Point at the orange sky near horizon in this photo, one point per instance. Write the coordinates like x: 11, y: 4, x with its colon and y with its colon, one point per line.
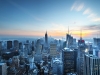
x: 53, y: 33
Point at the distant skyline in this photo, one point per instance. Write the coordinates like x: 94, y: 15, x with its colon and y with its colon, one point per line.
x: 34, y: 17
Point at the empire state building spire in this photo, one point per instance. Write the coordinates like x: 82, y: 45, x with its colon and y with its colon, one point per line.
x: 46, y: 38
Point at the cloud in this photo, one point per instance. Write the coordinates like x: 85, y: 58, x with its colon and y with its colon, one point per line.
x: 91, y: 27
x: 92, y: 15
x: 77, y: 6
x: 96, y: 19
x: 87, y: 11
x: 74, y: 6
x: 92, y: 30
x: 80, y: 7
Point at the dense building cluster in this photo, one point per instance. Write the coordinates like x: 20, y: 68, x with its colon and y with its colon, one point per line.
x: 48, y: 56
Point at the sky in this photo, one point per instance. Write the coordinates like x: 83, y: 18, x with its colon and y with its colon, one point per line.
x: 35, y: 17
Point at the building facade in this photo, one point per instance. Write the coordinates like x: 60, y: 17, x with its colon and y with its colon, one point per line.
x: 9, y: 44
x: 3, y: 69
x: 16, y: 44
x: 53, y: 49
x: 91, y: 65
x: 69, y: 61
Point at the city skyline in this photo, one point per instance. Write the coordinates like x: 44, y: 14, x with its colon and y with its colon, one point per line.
x: 35, y: 17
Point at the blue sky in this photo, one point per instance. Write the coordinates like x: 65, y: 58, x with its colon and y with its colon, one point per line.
x: 35, y: 17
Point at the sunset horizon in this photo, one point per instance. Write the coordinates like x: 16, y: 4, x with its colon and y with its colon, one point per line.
x: 34, y: 18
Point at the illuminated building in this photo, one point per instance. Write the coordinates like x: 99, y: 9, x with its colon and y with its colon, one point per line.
x: 53, y: 49
x: 91, y: 65
x: 80, y: 59
x: 69, y: 60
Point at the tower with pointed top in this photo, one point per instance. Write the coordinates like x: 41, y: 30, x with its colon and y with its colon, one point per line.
x: 67, y: 38
x: 81, y: 53
x: 46, y: 38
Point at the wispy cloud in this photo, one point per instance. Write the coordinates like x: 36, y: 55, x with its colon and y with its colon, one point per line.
x: 87, y: 11
x: 91, y: 30
x: 77, y: 6
x: 91, y: 15
x: 91, y: 27
x: 96, y: 19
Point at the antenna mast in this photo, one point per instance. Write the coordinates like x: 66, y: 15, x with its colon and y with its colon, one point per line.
x: 81, y: 34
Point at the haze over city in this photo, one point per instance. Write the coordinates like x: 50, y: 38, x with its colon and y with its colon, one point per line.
x: 49, y: 37
x: 35, y: 17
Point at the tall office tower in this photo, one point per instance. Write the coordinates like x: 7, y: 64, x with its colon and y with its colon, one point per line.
x: 38, y: 47
x: 33, y: 48
x: 9, y: 44
x: 91, y: 65
x: 3, y: 69
x: 46, y: 38
x: 27, y: 49
x: 97, y: 42
x: 20, y: 45
x: 38, y: 55
x: 69, y: 40
x: 80, y: 59
x: 53, y: 49
x: 64, y: 44
x: 0, y: 45
x: 69, y: 60
x: 16, y: 44
x: 0, y: 48
x: 74, y: 42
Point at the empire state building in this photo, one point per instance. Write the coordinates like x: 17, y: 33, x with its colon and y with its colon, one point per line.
x: 46, y: 38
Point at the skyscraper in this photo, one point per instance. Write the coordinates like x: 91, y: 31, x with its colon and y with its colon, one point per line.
x: 0, y: 47
x: 3, y: 69
x: 38, y: 55
x: 80, y: 59
x: 46, y: 38
x: 97, y: 42
x: 9, y: 44
x: 16, y: 44
x: 69, y: 40
x: 69, y: 60
x: 20, y: 45
x: 53, y: 49
x: 91, y: 65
